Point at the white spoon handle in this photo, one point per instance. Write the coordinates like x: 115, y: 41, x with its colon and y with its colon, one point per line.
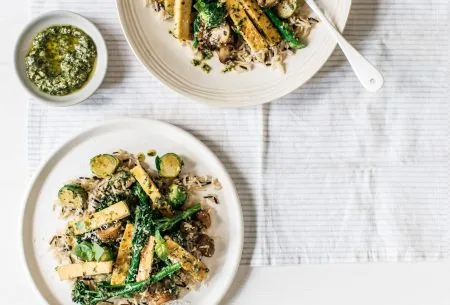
x: 367, y: 74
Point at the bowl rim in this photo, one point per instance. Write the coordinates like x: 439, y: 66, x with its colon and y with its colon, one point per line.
x: 100, y: 67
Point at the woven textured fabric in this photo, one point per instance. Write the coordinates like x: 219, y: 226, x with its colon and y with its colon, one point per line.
x: 330, y: 173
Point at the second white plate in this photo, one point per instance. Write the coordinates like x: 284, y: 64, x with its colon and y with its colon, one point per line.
x: 40, y: 223
x: 170, y: 62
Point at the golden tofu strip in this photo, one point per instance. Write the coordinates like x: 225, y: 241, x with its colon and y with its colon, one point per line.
x: 182, y: 17
x: 71, y: 271
x: 145, y: 265
x: 261, y: 21
x: 123, y: 259
x: 245, y: 26
x: 168, y: 7
x: 150, y: 189
x: 94, y: 221
x: 147, y: 184
x: 189, y: 263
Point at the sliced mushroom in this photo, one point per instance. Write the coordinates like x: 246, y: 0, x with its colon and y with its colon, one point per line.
x: 220, y: 35
x: 226, y: 54
x: 206, y: 245
x: 159, y: 299
x: 286, y: 8
x: 268, y: 3
x: 203, y: 215
x: 110, y: 233
x: 188, y: 230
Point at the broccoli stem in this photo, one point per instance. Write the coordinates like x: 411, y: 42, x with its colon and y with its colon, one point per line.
x: 143, y: 225
x: 286, y: 32
x: 84, y: 296
x: 167, y: 223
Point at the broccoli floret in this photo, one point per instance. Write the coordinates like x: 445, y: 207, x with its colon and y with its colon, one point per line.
x: 177, y: 195
x: 211, y: 12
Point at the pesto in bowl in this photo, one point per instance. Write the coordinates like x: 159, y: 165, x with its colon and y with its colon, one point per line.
x: 61, y: 60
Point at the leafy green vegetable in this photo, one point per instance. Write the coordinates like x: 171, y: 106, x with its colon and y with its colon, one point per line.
x: 158, y: 163
x: 84, y: 251
x: 211, y: 12
x: 107, y: 255
x: 161, y: 248
x: 286, y: 32
x: 84, y: 295
x: 89, y: 252
x: 196, y: 26
x: 177, y: 195
x: 98, y: 251
x: 143, y: 225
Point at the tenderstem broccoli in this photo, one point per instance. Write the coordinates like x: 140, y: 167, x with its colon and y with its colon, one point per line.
x: 168, y: 223
x: 143, y: 225
x: 84, y: 295
x: 286, y: 32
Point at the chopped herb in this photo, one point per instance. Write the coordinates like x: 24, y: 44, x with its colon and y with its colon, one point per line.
x: 158, y: 163
x: 141, y: 157
x: 229, y: 67
x: 207, y: 54
x: 151, y: 152
x: 196, y: 62
x: 207, y: 68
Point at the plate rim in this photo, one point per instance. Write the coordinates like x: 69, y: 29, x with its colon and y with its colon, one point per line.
x: 239, y: 239
x: 218, y: 102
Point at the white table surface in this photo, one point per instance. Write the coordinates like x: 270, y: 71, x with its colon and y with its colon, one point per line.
x: 382, y: 284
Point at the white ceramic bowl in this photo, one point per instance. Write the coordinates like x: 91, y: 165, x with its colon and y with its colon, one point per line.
x: 170, y: 62
x: 61, y: 18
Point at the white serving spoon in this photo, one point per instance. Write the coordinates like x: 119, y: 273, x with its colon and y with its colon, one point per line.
x: 367, y: 74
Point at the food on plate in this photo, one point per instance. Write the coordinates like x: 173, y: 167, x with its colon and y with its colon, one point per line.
x: 104, y: 165
x: 169, y: 165
x: 240, y: 32
x: 134, y: 235
x: 60, y: 60
x: 71, y: 271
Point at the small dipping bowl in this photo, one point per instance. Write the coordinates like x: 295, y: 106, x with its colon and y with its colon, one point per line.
x: 55, y: 18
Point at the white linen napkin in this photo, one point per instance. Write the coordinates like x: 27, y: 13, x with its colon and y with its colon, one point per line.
x: 330, y: 173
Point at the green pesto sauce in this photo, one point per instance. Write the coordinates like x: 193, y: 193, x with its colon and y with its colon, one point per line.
x: 60, y: 60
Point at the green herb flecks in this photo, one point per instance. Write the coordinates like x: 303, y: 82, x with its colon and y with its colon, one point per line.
x: 206, y: 68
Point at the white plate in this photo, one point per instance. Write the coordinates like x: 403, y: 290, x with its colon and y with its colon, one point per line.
x: 170, y: 62
x: 135, y: 135
x: 61, y: 18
